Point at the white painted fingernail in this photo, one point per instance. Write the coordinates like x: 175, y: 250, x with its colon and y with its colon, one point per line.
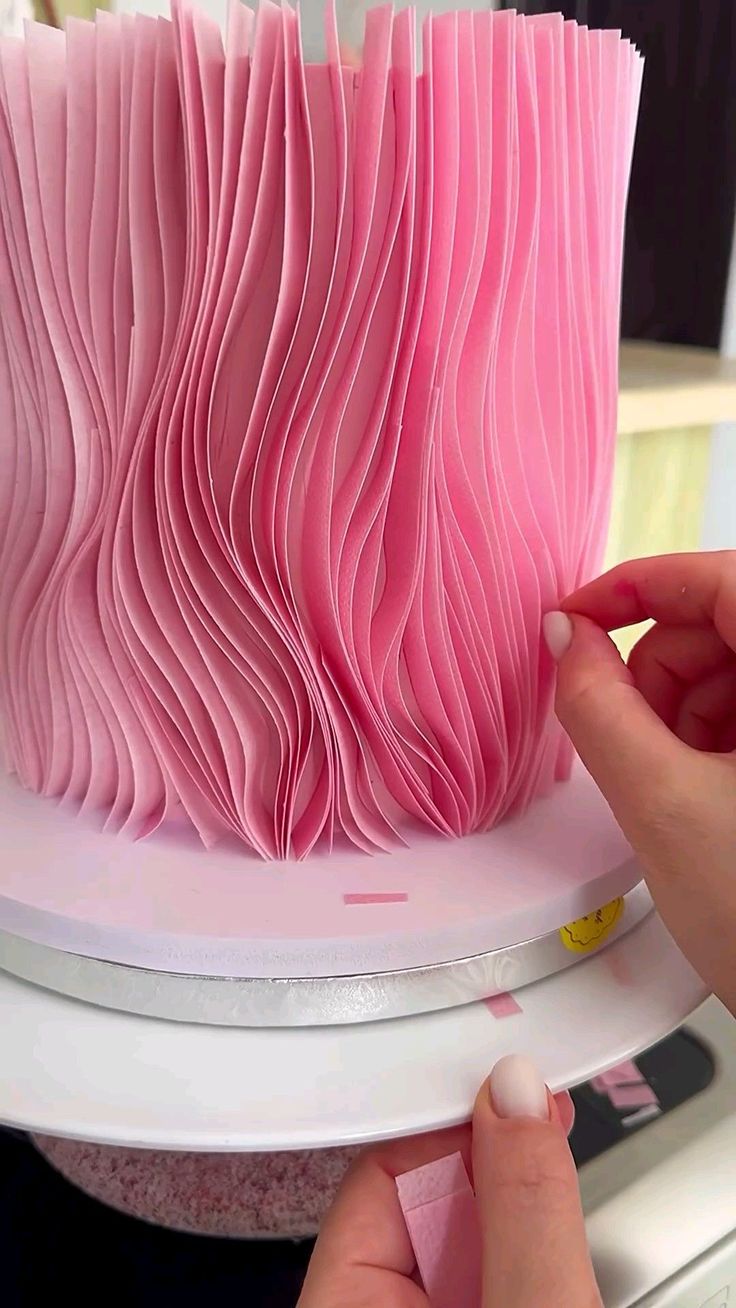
x: 517, y: 1089
x: 557, y: 632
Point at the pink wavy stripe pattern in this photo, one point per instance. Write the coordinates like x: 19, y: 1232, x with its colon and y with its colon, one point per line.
x: 308, y: 391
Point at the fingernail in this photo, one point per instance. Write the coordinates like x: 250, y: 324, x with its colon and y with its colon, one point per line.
x: 557, y: 632
x: 517, y: 1089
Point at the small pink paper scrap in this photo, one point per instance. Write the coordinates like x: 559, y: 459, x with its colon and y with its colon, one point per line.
x: 391, y: 897
x: 632, y: 1096
x: 503, y: 1005
x: 623, y: 1074
x: 438, y: 1204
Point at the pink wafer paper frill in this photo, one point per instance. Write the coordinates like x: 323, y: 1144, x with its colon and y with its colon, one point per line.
x: 308, y: 392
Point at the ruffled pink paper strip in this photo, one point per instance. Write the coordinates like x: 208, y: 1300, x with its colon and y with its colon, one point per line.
x: 308, y: 391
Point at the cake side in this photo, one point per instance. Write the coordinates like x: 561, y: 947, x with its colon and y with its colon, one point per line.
x: 308, y: 377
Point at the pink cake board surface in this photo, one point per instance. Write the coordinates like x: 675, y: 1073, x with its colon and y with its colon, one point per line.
x: 166, y: 904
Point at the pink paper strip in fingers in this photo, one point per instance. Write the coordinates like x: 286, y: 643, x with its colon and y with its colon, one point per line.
x: 439, y: 1208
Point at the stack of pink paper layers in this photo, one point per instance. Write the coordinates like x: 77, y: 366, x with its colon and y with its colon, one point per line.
x: 308, y: 390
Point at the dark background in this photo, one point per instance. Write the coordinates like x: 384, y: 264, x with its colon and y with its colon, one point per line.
x: 683, y: 188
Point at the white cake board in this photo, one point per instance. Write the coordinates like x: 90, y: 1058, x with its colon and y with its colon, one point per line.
x: 76, y: 1069
x: 166, y: 904
x: 70, y: 1069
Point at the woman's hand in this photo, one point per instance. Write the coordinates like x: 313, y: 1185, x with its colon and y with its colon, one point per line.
x: 534, y: 1245
x: 658, y: 735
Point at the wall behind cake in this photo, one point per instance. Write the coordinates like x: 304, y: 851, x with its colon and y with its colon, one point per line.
x: 12, y: 14
x: 350, y: 14
x: 56, y: 11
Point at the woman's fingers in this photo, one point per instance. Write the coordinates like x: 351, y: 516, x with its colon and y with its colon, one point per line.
x: 363, y: 1257
x: 629, y: 751
x: 673, y: 791
x: 668, y: 662
x: 685, y: 666
x: 675, y: 589
x: 535, y: 1249
x: 687, y: 675
x: 705, y: 719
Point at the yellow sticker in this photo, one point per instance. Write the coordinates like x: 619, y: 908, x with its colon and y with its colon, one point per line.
x: 590, y: 931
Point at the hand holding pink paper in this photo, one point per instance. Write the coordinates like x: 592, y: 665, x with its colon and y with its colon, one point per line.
x: 309, y: 384
x: 408, y: 1229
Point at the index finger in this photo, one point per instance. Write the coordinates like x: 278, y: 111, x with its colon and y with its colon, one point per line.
x: 535, y: 1247
x: 674, y: 589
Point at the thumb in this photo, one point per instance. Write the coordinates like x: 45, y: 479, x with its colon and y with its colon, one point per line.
x: 627, y: 749
x: 535, y: 1249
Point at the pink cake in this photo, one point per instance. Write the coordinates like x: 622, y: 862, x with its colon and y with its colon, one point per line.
x: 308, y: 381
